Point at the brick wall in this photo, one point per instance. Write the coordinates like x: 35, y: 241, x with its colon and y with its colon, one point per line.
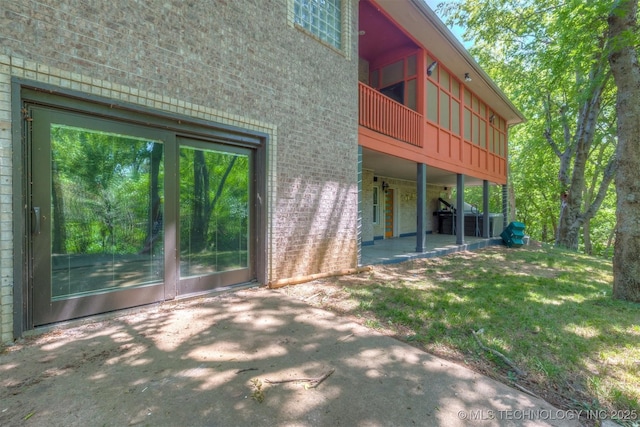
x: 239, y: 62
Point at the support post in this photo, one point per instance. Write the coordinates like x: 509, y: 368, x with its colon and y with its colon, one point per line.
x: 485, y: 210
x: 359, y: 224
x: 505, y: 203
x: 460, y: 209
x: 421, y: 206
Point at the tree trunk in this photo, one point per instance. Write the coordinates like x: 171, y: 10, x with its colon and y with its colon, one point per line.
x: 586, y: 236
x: 155, y: 222
x: 571, y: 214
x: 578, y: 148
x: 612, y: 234
x: 569, y: 225
x: 200, y: 221
x: 624, y: 65
x: 512, y: 203
x: 59, y: 232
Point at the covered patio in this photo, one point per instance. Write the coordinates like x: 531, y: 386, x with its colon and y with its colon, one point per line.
x: 400, y: 249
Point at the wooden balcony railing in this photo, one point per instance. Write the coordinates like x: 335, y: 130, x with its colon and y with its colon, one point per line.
x: 382, y: 114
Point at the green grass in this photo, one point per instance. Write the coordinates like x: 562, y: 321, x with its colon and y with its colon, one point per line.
x: 548, y: 311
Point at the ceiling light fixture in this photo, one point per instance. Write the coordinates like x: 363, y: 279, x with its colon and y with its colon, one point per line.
x: 467, y: 77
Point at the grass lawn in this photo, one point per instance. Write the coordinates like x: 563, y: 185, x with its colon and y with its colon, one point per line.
x: 548, y: 311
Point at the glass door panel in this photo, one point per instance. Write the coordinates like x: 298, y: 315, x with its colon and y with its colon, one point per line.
x: 106, y: 211
x: 214, y: 212
x: 97, y: 216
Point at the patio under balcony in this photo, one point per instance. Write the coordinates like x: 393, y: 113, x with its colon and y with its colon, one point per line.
x: 400, y: 249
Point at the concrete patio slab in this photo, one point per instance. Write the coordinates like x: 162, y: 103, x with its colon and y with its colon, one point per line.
x: 400, y: 249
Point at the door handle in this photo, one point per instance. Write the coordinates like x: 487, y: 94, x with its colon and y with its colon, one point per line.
x: 35, y: 225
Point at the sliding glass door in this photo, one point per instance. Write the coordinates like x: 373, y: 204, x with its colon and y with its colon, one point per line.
x: 123, y: 215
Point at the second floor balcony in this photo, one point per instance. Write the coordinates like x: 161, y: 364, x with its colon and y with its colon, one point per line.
x: 456, y: 129
x: 423, y: 99
x: 382, y: 114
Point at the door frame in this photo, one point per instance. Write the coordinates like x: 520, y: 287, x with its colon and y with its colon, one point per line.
x: 28, y: 91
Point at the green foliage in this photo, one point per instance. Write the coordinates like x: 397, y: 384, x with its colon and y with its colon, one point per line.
x: 214, y: 201
x: 548, y: 57
x: 103, y: 197
x: 101, y: 191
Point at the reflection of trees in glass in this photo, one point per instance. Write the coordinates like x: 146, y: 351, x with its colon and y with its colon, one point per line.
x: 104, y: 186
x: 59, y: 232
x: 214, y: 197
x: 155, y: 224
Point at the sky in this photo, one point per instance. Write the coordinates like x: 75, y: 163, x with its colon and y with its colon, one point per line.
x: 457, y: 31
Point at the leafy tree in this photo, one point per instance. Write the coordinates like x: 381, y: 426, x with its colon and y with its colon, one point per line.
x: 550, y: 58
x: 565, y: 52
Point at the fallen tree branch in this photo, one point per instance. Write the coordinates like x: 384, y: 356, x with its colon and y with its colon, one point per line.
x: 345, y: 338
x: 519, y: 387
x: 315, y: 382
x: 496, y: 353
x: 245, y: 370
x: 529, y: 392
x: 312, y: 296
